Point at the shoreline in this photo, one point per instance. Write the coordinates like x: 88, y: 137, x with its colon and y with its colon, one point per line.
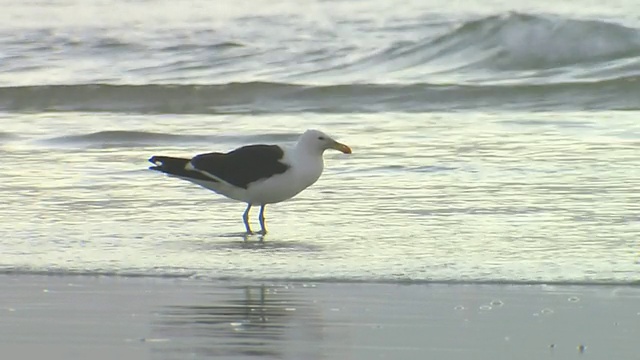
x: 191, y: 276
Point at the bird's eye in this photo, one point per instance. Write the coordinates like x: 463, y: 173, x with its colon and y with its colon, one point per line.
x: 321, y: 138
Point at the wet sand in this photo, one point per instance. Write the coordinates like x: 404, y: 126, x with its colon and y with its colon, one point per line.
x: 75, y: 317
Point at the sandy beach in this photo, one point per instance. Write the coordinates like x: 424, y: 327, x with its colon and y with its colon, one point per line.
x: 65, y: 317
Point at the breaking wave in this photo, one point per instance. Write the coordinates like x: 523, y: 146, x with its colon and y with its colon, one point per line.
x: 511, y: 61
x: 505, y: 47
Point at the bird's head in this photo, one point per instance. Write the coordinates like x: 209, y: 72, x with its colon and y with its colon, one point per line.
x: 319, y: 141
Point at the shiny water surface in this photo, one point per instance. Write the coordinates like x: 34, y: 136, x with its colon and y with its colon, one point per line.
x: 513, y: 197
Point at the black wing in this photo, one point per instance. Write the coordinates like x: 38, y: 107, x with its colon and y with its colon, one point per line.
x: 244, y: 165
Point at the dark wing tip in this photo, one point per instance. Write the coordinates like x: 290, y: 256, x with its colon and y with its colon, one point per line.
x: 156, y: 162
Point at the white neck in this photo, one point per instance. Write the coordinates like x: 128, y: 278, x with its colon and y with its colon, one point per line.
x: 308, y: 163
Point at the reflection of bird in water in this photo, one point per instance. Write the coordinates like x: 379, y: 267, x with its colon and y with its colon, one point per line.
x: 258, y: 324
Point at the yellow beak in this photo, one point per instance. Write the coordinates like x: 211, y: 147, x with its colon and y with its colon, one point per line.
x: 342, y: 148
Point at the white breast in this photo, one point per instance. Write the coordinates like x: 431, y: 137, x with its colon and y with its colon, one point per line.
x: 305, y: 169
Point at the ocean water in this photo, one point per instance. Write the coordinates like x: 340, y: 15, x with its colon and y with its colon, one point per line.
x: 493, y: 141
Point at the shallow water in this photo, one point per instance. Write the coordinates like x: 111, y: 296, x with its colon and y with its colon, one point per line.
x: 490, y: 144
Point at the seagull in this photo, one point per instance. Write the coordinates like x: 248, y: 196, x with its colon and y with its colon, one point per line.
x: 256, y: 174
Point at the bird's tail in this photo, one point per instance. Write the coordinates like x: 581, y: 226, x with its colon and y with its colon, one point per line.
x: 169, y: 165
x: 177, y: 167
